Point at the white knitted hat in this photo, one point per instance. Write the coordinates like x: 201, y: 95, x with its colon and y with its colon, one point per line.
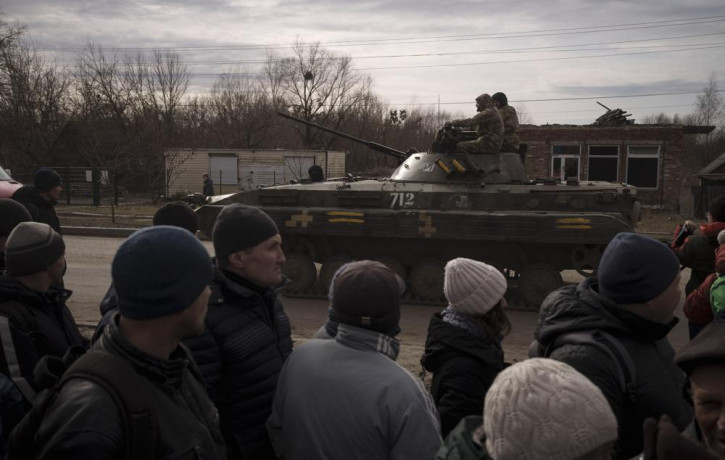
x: 542, y: 409
x: 473, y: 287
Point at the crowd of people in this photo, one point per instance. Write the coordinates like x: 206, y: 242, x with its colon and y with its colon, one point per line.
x: 193, y: 357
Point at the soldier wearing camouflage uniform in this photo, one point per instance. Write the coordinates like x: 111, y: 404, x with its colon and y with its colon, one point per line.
x: 489, y: 128
x: 510, y: 123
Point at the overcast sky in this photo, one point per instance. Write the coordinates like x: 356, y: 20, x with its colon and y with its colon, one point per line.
x: 554, y: 59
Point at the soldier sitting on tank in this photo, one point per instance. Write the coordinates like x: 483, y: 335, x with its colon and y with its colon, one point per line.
x: 489, y: 128
x: 510, y: 123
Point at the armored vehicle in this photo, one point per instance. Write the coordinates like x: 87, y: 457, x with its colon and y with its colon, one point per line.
x: 436, y: 206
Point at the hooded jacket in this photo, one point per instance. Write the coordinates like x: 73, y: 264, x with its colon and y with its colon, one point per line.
x: 53, y: 328
x: 463, y: 367
x: 697, y: 306
x: 660, y: 383
x: 39, y: 208
x: 84, y: 422
x: 698, y: 253
x: 241, y: 353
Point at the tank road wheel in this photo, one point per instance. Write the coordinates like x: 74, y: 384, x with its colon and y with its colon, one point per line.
x: 393, y: 265
x: 536, y: 282
x: 585, y: 258
x: 300, y: 268
x: 426, y: 279
x: 329, y: 268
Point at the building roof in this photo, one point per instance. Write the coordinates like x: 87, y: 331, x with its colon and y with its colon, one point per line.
x: 715, y: 170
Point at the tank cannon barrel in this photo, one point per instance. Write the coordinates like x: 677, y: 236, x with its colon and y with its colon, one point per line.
x: 397, y: 154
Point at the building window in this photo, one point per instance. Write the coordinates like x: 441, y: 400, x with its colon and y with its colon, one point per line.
x: 603, y: 162
x: 565, y: 161
x: 643, y: 162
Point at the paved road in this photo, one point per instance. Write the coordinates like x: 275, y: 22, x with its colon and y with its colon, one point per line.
x: 89, y: 275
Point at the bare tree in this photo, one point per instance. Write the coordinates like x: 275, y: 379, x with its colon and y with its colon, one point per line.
x: 33, y: 95
x: 242, y: 113
x: 316, y: 85
x: 709, y: 105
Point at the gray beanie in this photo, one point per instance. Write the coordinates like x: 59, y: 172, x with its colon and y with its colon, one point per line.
x: 11, y: 214
x: 32, y: 247
x: 367, y: 294
x: 239, y: 227
x: 159, y: 271
x: 539, y: 409
x: 472, y: 287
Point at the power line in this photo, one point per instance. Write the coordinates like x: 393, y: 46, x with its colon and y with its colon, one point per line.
x: 415, y: 40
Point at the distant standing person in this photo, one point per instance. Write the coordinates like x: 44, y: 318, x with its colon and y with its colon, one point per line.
x: 510, y: 123
x: 463, y: 347
x: 208, y: 189
x: 41, y: 197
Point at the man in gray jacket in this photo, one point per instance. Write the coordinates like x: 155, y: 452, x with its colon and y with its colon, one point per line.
x: 346, y: 397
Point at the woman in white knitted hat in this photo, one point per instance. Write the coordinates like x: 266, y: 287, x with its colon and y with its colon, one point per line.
x: 463, y: 348
x: 537, y: 409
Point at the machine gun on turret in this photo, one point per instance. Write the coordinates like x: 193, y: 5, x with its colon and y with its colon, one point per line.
x: 397, y: 154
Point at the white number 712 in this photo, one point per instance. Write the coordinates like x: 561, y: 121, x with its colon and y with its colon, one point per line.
x: 402, y: 199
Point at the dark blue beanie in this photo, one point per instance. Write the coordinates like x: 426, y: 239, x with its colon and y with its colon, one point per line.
x: 158, y: 271
x: 636, y: 268
x: 45, y: 179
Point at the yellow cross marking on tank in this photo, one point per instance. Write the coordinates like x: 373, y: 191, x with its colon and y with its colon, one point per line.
x: 574, y: 223
x: 428, y: 229
x: 302, y: 219
x: 345, y: 217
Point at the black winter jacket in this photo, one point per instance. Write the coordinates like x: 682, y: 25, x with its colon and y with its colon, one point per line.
x: 84, y: 422
x: 463, y: 368
x: 53, y: 328
x: 247, y: 339
x: 39, y: 208
x: 660, y: 384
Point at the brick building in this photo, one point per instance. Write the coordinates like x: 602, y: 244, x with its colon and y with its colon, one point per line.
x: 649, y: 157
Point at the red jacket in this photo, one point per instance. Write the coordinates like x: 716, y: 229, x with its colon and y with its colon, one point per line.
x: 697, y: 306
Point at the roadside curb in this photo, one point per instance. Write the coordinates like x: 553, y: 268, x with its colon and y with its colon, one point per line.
x: 109, y: 232
x: 98, y: 231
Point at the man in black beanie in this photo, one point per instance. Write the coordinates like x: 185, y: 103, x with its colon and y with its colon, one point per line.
x: 248, y: 334
x: 41, y: 197
x: 162, y: 276
x: 626, y: 313
x: 175, y: 214
x: 11, y: 214
x: 349, y: 391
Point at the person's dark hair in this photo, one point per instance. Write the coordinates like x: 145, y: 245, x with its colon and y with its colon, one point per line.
x: 495, y: 323
x: 501, y: 99
x: 177, y: 214
x: 316, y: 174
x: 717, y: 208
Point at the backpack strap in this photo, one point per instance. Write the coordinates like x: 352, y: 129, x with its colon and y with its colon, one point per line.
x: 612, y: 347
x: 132, y: 395
x: 22, y: 319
